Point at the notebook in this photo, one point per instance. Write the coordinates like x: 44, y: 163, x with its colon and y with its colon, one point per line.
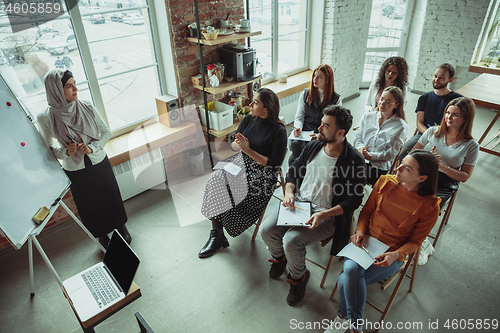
x: 296, y: 217
x: 106, y: 283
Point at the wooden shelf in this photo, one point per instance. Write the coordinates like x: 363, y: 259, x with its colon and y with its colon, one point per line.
x: 224, y: 153
x: 224, y: 39
x: 225, y: 86
x: 224, y: 132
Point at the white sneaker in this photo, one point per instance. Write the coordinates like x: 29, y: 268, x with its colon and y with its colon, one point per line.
x: 339, y: 325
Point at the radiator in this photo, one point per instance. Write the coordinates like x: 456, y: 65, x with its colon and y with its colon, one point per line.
x: 140, y: 173
x: 288, y: 107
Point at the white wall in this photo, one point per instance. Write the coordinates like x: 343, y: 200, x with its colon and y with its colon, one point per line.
x: 443, y: 31
x: 344, y: 42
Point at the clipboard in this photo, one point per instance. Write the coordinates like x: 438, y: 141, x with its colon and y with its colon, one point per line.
x: 296, y: 217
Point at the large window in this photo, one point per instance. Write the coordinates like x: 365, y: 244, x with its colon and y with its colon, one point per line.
x: 489, y: 43
x: 387, y: 34
x: 281, y: 49
x: 109, y: 48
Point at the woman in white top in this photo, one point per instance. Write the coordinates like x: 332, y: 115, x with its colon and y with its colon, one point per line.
x: 393, y: 72
x: 80, y: 135
x: 381, y: 134
x: 310, y: 107
x: 453, y: 145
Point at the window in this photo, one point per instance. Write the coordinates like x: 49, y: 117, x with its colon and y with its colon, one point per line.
x: 489, y: 42
x: 281, y: 49
x: 110, y: 49
x: 387, y: 34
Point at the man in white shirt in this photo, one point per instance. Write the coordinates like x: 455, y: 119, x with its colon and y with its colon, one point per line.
x: 330, y: 174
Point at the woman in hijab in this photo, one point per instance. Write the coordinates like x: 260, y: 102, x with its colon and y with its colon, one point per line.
x: 80, y: 135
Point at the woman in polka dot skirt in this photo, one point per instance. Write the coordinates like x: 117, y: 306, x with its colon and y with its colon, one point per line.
x: 235, y: 202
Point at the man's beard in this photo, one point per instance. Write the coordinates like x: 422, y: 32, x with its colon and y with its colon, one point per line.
x: 436, y: 86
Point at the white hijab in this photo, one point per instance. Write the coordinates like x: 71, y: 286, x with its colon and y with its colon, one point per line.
x: 74, y: 118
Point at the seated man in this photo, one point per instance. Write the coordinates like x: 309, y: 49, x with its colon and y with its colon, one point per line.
x: 431, y: 105
x: 330, y: 174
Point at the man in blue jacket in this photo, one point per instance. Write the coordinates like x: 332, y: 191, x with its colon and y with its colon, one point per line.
x: 330, y: 174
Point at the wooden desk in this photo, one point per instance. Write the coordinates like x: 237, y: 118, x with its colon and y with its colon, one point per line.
x: 482, y: 91
x: 88, y: 326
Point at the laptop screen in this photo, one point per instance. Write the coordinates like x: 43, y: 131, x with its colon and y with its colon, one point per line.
x: 121, y: 261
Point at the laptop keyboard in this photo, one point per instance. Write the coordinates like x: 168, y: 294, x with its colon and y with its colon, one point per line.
x: 100, y: 286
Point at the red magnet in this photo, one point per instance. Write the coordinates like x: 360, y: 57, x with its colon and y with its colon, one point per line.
x: 23, y: 144
x: 9, y: 103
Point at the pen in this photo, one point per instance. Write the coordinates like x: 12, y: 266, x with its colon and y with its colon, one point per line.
x: 367, y: 147
x: 367, y: 252
x: 71, y: 138
x: 293, y: 205
x: 296, y: 128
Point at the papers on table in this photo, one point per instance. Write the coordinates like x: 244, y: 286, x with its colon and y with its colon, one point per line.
x: 296, y: 217
x: 372, y: 245
x: 229, y: 167
x: 304, y: 136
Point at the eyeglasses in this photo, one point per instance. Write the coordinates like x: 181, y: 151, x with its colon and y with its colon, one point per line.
x: 381, y: 101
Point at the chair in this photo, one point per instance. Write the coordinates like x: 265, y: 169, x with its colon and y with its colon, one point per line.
x: 143, y: 324
x: 324, y: 242
x: 281, y: 184
x: 447, y: 212
x: 401, y: 274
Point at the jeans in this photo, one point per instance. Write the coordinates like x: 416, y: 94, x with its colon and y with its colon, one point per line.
x: 292, y: 241
x: 352, y: 288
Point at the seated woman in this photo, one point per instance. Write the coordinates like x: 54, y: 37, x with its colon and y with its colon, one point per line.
x: 310, y: 107
x: 236, y: 202
x: 394, y: 72
x: 400, y: 212
x: 381, y: 134
x: 80, y: 136
x: 453, y: 145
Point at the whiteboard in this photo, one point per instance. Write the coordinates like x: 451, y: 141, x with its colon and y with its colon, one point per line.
x: 30, y: 176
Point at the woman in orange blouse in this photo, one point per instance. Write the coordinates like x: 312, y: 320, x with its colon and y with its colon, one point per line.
x: 400, y: 212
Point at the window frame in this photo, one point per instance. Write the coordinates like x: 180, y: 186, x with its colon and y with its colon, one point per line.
x: 275, y: 41
x: 484, y: 40
x: 163, y: 62
x: 401, y: 49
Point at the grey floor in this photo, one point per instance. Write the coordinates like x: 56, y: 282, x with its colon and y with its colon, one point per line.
x: 231, y: 292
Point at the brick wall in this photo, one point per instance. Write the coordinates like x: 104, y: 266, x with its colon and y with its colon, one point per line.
x: 443, y: 31
x: 344, y: 43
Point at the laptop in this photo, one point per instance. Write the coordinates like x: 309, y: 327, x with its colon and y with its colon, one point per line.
x: 106, y: 283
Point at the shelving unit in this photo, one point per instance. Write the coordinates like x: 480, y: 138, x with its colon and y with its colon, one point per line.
x: 224, y: 39
x: 224, y: 86
x: 225, y: 152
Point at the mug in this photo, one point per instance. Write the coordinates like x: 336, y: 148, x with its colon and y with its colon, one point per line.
x: 245, y: 24
x: 224, y: 24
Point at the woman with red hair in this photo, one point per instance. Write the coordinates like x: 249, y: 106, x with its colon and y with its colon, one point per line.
x: 312, y: 101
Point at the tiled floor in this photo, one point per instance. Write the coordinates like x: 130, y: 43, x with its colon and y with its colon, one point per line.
x: 231, y: 292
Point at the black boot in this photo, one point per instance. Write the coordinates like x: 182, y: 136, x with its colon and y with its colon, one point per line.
x: 215, y: 242
x: 124, y: 232
x: 104, y: 241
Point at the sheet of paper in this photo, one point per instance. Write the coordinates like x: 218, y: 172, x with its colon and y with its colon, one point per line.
x: 374, y: 247
x: 296, y: 217
x: 229, y: 167
x: 304, y: 136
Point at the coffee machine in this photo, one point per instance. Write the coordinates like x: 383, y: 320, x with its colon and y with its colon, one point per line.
x: 241, y: 62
